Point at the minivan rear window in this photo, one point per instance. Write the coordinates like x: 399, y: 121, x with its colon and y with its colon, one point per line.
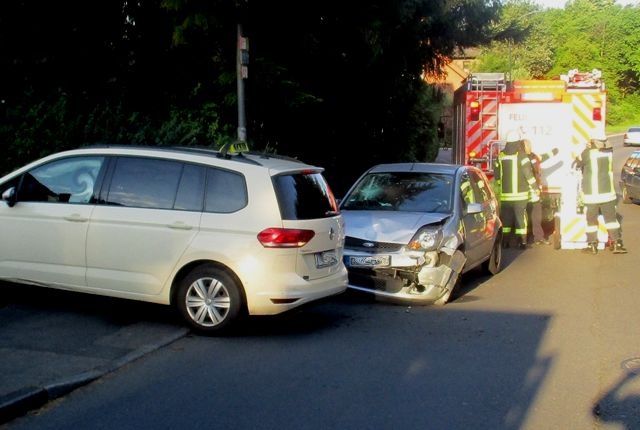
x: 304, y: 196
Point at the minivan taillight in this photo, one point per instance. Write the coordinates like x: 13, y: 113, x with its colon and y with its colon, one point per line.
x: 284, y: 237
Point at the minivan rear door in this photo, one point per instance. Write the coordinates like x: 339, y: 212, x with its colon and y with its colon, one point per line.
x: 307, y: 202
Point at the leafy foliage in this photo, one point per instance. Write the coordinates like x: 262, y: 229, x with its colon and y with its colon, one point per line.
x: 340, y: 77
x: 586, y: 34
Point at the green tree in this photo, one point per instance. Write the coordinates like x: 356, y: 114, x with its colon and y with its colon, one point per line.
x: 600, y: 34
x: 521, y: 46
x: 348, y: 77
x: 338, y: 75
x: 584, y: 35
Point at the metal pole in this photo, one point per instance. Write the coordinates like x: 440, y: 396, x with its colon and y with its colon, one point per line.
x: 242, y: 118
x: 510, y: 64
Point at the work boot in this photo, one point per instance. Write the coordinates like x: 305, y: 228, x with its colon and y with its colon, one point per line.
x: 619, y: 248
x: 592, y: 248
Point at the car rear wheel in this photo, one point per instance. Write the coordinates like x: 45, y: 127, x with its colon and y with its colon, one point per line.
x: 209, y: 299
x: 493, y: 264
x: 625, y: 195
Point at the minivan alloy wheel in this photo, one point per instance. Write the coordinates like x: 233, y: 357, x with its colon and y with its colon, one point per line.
x: 209, y: 299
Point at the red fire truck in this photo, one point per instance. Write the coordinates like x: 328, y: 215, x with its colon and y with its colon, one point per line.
x: 555, y: 113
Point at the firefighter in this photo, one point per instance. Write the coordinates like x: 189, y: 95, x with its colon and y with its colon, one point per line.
x: 598, y: 193
x: 535, y: 231
x: 514, y: 173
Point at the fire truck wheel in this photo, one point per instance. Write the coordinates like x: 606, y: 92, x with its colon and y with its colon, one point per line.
x: 556, y: 233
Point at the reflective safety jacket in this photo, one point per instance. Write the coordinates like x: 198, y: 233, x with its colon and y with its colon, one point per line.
x: 597, y: 175
x: 514, y: 172
x: 536, y: 162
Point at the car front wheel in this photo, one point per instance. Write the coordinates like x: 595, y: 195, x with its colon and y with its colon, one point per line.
x: 209, y: 299
x: 493, y: 264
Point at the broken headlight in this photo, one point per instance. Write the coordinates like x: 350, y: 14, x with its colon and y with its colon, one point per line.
x: 426, y: 239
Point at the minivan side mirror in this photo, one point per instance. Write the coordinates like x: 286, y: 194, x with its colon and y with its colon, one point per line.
x: 9, y: 196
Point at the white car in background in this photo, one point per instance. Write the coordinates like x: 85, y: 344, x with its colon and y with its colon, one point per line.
x: 632, y: 137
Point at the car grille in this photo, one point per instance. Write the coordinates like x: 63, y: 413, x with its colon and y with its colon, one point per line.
x: 358, y: 245
x: 377, y: 282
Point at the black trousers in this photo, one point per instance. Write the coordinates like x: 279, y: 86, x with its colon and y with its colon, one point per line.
x: 514, y: 219
x: 535, y: 231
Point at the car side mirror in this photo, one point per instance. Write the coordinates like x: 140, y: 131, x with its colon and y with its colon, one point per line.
x: 9, y: 196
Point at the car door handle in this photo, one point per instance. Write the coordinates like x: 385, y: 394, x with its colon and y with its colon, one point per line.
x: 180, y: 226
x: 76, y: 218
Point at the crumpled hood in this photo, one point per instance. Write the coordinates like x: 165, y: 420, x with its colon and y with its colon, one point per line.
x: 387, y: 226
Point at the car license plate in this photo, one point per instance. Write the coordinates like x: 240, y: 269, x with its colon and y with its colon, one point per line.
x: 370, y: 261
x: 326, y: 259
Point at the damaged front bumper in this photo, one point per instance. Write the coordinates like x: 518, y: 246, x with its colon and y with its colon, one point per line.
x: 432, y: 276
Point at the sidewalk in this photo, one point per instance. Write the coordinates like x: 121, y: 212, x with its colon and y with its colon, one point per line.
x: 52, y: 342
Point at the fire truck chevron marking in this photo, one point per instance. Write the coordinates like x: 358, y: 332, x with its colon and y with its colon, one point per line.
x: 575, y: 230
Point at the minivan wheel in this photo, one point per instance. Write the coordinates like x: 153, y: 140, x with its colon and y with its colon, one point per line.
x: 209, y: 299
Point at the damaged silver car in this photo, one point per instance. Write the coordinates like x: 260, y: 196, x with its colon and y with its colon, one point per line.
x: 413, y: 228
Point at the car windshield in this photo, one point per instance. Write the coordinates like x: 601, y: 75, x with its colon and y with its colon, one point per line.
x: 634, y: 130
x: 402, y: 191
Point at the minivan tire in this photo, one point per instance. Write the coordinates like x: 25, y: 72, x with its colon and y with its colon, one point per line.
x: 209, y: 299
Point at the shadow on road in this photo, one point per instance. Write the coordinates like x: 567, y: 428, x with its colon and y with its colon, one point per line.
x: 349, y: 362
x: 618, y: 405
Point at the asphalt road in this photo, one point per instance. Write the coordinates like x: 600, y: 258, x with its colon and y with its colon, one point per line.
x: 551, y: 342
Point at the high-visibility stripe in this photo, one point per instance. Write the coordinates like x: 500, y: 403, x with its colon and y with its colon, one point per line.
x: 583, y: 124
x: 574, y: 229
x: 509, y: 177
x: 596, y: 188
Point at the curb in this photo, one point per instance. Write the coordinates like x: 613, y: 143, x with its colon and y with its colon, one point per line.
x: 20, y: 402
